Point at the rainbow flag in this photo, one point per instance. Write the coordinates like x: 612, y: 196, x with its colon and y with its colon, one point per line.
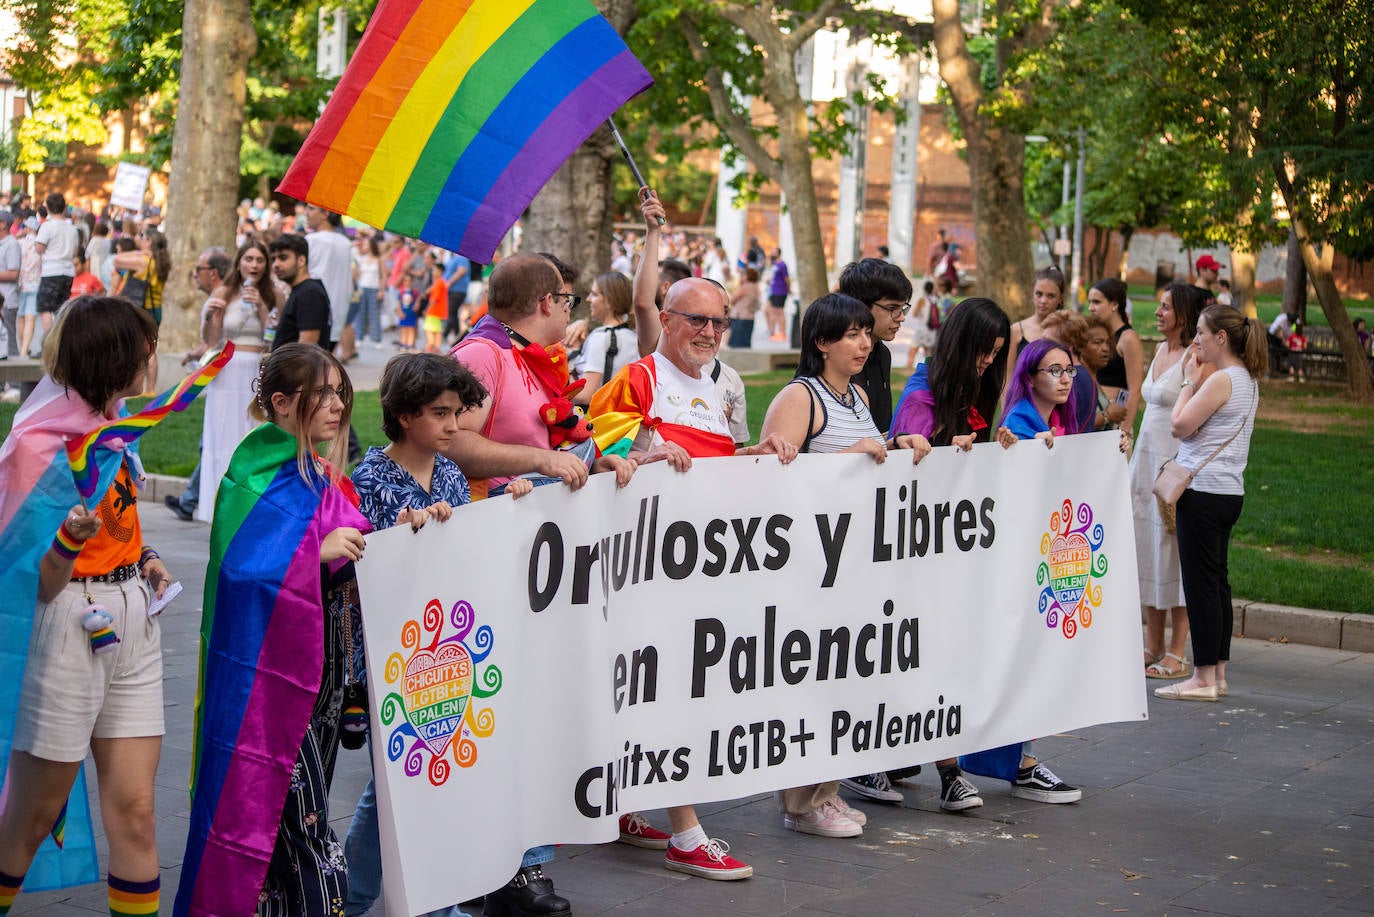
x: 454, y: 113
x: 260, y: 666
x: 37, y: 490
x: 623, y: 407
x: 81, y: 450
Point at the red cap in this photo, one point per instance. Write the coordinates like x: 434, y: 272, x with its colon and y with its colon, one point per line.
x: 1208, y: 263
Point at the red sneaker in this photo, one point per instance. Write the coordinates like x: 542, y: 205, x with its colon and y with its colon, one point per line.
x: 636, y: 831
x: 709, y: 861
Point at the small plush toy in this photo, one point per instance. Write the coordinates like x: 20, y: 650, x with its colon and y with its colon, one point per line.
x: 567, y: 425
x: 97, y: 622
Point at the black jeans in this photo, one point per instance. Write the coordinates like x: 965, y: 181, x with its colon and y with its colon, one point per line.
x: 1204, y: 535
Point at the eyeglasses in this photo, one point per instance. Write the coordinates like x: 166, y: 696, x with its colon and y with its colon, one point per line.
x: 698, y: 322
x: 901, y: 308
x: 203, y: 267
x: 1056, y: 371
x: 323, y: 393
x: 573, y: 300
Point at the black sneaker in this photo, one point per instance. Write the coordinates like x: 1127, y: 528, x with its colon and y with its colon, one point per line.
x: 174, y: 504
x: 873, y: 786
x: 1039, y: 783
x: 959, y: 794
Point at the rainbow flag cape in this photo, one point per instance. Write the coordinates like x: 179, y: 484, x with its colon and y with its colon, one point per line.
x: 37, y: 490
x: 81, y: 450
x: 453, y: 114
x: 260, y: 666
x: 623, y: 407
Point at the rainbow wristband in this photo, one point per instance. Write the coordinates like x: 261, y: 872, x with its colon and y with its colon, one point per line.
x: 147, y: 555
x: 67, y: 545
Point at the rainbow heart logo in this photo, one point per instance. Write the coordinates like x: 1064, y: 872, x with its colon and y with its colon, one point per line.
x: 1073, y: 560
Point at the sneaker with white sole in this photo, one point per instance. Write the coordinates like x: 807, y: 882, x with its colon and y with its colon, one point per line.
x: 826, y: 820
x: 851, y: 813
x: 636, y: 831
x: 873, y: 786
x: 711, y: 860
x: 960, y: 794
x: 1040, y: 784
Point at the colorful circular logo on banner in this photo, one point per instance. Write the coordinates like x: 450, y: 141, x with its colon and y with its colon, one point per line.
x: 1073, y: 559
x: 435, y: 687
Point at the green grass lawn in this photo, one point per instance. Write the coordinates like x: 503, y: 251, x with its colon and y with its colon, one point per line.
x: 1267, y: 305
x: 1306, y: 536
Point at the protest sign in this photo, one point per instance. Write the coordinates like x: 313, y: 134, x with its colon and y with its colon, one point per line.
x: 130, y: 184
x: 539, y: 666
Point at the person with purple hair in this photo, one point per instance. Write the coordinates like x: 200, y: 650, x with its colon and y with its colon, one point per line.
x: 1036, y: 407
x: 1037, y: 403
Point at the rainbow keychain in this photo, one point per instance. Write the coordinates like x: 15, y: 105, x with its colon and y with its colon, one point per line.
x: 97, y: 623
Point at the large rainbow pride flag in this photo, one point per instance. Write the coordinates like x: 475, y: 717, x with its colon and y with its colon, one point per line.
x: 37, y: 490
x: 260, y: 666
x: 453, y: 114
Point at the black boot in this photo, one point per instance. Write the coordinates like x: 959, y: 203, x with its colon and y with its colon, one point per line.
x: 529, y: 894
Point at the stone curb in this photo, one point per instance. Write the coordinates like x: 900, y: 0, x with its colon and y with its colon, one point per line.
x: 1337, y: 630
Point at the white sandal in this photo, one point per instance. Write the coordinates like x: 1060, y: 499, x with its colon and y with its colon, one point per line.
x: 1158, y: 668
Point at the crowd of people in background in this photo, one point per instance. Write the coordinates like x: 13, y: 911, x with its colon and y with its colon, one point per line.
x: 300, y: 294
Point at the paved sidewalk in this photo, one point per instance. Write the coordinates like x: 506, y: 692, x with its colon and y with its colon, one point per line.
x: 1262, y: 804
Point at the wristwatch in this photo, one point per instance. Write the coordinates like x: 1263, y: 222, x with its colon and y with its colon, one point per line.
x: 1187, y: 383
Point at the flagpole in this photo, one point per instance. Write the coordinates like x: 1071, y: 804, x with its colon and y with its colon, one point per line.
x: 629, y: 159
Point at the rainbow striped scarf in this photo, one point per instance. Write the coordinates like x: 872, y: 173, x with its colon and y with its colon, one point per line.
x: 260, y: 666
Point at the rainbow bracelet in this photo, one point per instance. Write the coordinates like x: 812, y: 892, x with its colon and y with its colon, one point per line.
x: 67, y: 545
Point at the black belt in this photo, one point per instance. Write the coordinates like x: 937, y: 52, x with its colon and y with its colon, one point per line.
x: 117, y: 575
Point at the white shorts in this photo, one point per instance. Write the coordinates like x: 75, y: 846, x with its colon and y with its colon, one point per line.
x: 70, y: 694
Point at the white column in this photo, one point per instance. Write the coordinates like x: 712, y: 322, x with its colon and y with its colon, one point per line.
x: 332, y: 43
x: 901, y: 208
x: 730, y: 220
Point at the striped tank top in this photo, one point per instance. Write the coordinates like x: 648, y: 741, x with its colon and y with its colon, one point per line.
x: 841, y: 425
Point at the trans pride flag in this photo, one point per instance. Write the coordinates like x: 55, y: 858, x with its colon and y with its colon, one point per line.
x: 454, y: 113
x: 260, y: 665
x: 37, y: 490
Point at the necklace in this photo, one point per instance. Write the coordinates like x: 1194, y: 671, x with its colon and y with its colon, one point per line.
x: 848, y: 400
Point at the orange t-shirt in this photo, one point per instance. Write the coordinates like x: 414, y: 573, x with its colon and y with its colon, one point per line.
x: 438, y: 300
x: 120, y: 539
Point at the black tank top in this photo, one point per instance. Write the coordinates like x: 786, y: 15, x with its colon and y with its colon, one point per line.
x: 1114, y: 373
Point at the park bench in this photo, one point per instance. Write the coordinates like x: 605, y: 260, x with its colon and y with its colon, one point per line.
x: 1322, y: 360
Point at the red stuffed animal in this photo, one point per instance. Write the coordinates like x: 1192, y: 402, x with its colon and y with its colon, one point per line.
x: 566, y: 422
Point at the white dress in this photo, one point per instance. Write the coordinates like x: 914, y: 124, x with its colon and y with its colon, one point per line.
x: 1161, y: 585
x: 227, y: 400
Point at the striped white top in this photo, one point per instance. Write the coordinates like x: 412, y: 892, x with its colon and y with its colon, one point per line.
x: 841, y: 426
x: 1224, y: 474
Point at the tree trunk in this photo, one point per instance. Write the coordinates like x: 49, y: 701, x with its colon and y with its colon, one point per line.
x: 1124, y: 269
x: 572, y: 216
x: 1295, y: 280
x: 794, y: 149
x: 996, y: 160
x: 217, y: 42
x: 1319, y: 269
x: 1243, y: 279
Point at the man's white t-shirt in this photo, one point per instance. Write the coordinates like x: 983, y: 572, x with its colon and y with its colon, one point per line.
x: 331, y: 262
x: 61, y: 239
x: 688, y: 402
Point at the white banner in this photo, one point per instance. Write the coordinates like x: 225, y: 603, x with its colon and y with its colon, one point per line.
x: 130, y: 184
x: 538, y: 666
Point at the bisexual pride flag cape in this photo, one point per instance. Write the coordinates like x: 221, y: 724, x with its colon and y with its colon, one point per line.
x: 452, y: 115
x: 37, y: 491
x: 261, y: 655
x: 622, y: 408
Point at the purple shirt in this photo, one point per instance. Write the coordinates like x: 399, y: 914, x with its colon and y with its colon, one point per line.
x: 779, y: 286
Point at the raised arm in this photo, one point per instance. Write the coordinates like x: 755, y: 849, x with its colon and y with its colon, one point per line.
x: 647, y: 327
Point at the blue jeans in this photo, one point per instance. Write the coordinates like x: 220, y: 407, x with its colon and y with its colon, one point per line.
x: 363, y: 852
x: 368, y: 317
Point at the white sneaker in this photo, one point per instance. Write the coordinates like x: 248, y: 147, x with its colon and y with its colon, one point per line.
x: 826, y: 820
